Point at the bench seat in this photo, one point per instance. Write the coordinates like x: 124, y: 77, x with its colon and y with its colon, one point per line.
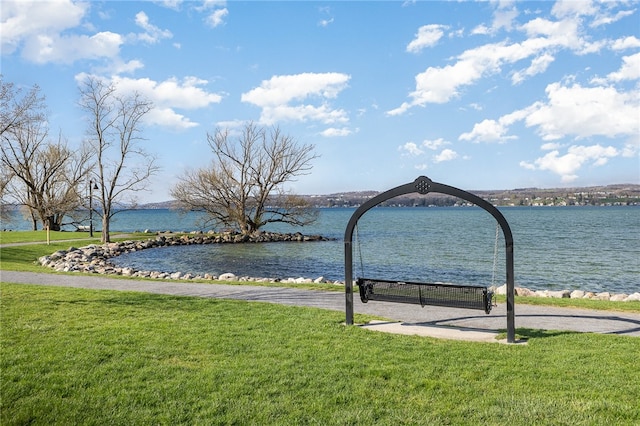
x: 435, y: 294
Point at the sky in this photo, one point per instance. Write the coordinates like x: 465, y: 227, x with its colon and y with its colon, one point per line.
x: 477, y: 95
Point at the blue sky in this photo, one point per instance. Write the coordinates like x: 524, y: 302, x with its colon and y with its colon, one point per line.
x: 478, y: 95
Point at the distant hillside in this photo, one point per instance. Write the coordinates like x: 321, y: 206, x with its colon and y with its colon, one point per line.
x: 618, y: 194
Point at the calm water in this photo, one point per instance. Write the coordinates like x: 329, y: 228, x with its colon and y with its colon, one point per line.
x: 589, y: 248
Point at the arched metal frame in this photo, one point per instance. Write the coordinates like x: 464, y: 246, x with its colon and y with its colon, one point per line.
x: 424, y: 185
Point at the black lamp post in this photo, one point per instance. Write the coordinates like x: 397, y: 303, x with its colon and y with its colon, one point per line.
x: 92, y: 186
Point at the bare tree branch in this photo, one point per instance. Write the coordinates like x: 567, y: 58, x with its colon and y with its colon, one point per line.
x: 244, y: 186
x: 43, y: 176
x: 122, y: 165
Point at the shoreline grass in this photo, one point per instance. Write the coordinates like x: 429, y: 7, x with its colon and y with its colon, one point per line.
x: 76, y: 356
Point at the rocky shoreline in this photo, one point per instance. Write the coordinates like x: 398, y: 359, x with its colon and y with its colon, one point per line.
x: 94, y: 259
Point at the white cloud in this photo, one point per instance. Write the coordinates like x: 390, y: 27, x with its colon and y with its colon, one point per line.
x: 276, y: 96
x: 171, y: 93
x: 571, y: 8
x: 481, y: 29
x: 120, y: 67
x: 605, y: 18
x: 167, y: 117
x: 445, y: 155
x: 152, y: 33
x: 325, y: 22
x: 427, y: 36
x: 570, y: 111
x: 538, y: 66
x: 485, y: 131
x: 41, y: 30
x: 550, y: 146
x: 544, y: 39
x: 441, y: 84
x: 216, y: 18
x: 400, y: 110
x: 583, y: 112
x: 503, y: 18
x: 632, y: 147
x: 68, y: 49
x: 24, y: 20
x: 567, y: 165
x: 434, y: 144
x: 170, y: 4
x: 215, y: 11
x: 630, y: 69
x: 410, y: 148
x: 233, y: 126
x: 54, y: 31
x: 630, y: 42
x: 492, y: 130
x: 332, y: 132
x: 167, y: 96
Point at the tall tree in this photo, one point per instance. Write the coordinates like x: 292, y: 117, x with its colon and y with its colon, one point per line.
x: 244, y: 187
x: 123, y: 167
x: 41, y: 175
x: 16, y: 109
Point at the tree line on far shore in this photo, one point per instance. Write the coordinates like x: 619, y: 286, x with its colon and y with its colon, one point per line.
x: 628, y: 194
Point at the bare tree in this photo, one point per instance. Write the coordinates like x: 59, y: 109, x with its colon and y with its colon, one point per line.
x: 41, y: 175
x: 122, y: 165
x: 17, y: 109
x: 46, y: 175
x: 243, y: 189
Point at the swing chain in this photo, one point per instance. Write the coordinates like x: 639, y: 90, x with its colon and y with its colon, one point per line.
x: 495, y: 257
x: 360, y: 252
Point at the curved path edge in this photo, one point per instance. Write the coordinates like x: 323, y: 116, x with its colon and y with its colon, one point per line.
x: 527, y: 316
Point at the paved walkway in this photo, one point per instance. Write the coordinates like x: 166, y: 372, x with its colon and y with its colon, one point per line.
x: 412, y: 319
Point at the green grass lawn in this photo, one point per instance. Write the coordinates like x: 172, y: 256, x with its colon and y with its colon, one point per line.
x: 73, y: 356
x: 7, y: 237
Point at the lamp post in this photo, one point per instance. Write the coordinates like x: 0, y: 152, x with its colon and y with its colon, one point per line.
x: 92, y: 186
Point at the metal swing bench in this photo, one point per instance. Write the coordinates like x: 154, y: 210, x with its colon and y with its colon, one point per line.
x: 434, y: 294
x: 437, y: 294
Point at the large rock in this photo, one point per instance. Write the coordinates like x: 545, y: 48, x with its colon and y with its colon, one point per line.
x: 577, y: 294
x: 620, y: 297
x: 228, y: 277
x: 501, y: 290
x: 561, y: 294
x: 635, y: 297
x: 605, y: 295
x: 524, y: 292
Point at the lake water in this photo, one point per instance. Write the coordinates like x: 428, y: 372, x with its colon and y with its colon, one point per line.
x: 588, y: 248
